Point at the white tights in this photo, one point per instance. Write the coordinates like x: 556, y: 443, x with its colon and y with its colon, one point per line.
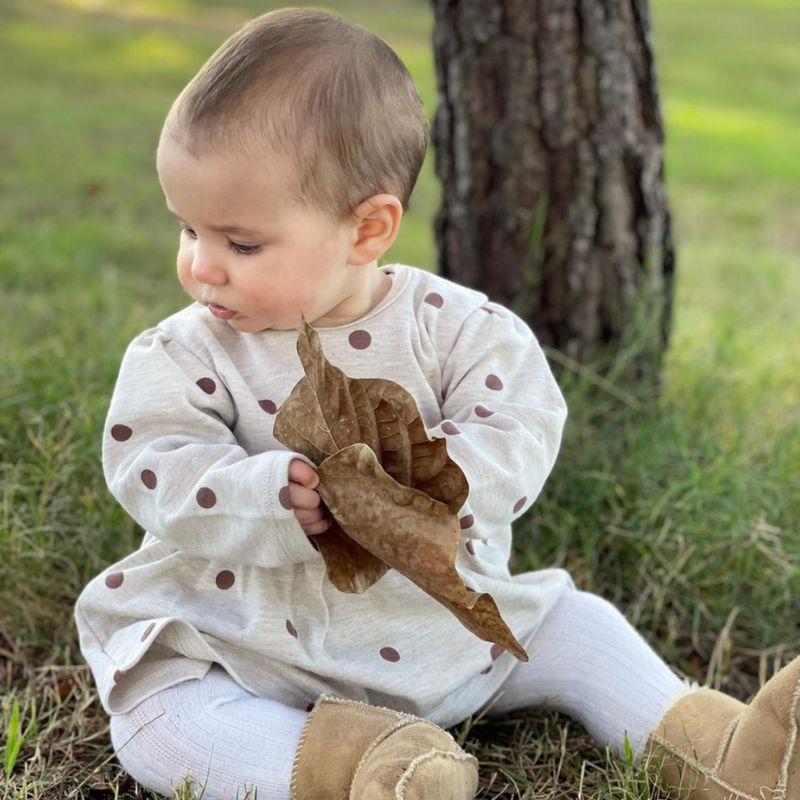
x: 586, y: 661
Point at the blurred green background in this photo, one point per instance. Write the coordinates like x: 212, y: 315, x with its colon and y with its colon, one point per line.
x: 681, y: 509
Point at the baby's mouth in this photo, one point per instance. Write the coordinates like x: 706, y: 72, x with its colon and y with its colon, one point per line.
x: 220, y: 311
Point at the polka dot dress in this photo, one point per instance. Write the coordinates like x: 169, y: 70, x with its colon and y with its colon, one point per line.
x: 225, y: 572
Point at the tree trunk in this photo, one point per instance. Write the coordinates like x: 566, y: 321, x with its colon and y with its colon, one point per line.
x: 548, y: 141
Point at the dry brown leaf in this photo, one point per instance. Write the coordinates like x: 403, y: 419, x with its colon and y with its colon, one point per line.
x: 393, y: 494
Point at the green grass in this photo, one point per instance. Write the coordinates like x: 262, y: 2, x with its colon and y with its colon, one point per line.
x: 681, y: 508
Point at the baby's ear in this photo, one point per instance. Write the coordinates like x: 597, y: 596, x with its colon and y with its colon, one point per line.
x: 377, y: 229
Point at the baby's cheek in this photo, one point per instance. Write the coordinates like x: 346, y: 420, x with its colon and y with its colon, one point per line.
x: 184, y: 268
x: 276, y: 297
x: 263, y: 297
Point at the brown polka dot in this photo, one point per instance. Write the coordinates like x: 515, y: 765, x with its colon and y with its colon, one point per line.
x: 206, y: 498
x: 268, y: 406
x: 225, y: 579
x: 361, y: 340
x: 119, y: 674
x: 521, y: 502
x: 291, y: 628
x: 114, y: 580
x: 466, y: 522
x: 390, y: 654
x: 434, y: 299
x: 493, y: 382
x: 483, y: 412
x: 284, y: 498
x: 149, y: 478
x: 470, y: 547
x: 121, y: 433
x: 449, y: 427
x: 488, y: 669
x: 207, y: 385
x: 497, y: 651
x: 148, y: 631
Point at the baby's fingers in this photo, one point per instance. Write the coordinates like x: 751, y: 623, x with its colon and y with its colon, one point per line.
x: 309, y: 516
x: 313, y: 520
x: 318, y: 527
x: 302, y: 497
x: 301, y: 472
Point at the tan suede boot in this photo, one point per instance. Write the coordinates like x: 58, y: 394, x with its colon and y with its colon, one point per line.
x: 715, y: 747
x: 355, y: 751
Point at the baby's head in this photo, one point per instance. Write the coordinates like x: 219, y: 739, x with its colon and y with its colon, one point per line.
x: 289, y: 160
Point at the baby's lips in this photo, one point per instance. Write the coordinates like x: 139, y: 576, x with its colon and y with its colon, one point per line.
x: 220, y: 311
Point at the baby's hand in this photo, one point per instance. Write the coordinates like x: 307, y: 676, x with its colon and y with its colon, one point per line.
x: 305, y: 499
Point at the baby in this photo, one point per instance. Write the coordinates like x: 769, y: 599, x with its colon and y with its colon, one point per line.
x: 220, y: 649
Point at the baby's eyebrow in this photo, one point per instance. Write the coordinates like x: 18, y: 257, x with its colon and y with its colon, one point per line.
x: 221, y: 228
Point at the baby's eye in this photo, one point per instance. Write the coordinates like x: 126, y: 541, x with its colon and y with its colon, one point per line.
x: 244, y: 249
x: 241, y: 249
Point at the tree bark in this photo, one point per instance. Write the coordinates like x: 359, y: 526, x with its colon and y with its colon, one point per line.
x: 548, y: 140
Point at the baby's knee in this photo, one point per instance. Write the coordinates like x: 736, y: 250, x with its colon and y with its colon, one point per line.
x: 144, y: 755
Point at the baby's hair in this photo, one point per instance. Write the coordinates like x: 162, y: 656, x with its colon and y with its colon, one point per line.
x: 328, y: 95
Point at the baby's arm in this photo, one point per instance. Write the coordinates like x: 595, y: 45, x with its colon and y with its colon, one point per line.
x: 171, y: 460
x: 503, y: 401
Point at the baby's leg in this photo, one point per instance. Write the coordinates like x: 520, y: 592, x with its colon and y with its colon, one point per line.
x: 221, y: 735
x: 589, y: 662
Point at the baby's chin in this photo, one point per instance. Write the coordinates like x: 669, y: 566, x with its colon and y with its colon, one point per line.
x: 245, y: 324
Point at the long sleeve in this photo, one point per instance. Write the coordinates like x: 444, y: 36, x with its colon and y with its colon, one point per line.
x: 503, y: 415
x: 170, y: 458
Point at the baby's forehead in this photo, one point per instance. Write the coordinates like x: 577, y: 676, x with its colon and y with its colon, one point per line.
x: 249, y: 172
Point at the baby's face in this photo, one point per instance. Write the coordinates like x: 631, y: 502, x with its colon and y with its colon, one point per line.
x: 255, y: 260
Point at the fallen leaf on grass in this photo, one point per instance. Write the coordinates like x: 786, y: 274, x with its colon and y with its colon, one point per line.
x: 393, y: 494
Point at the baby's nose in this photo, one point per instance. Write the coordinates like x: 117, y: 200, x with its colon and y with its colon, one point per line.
x: 206, y: 268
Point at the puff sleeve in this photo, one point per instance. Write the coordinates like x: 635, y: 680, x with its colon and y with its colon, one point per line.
x: 171, y: 459
x: 502, y: 415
